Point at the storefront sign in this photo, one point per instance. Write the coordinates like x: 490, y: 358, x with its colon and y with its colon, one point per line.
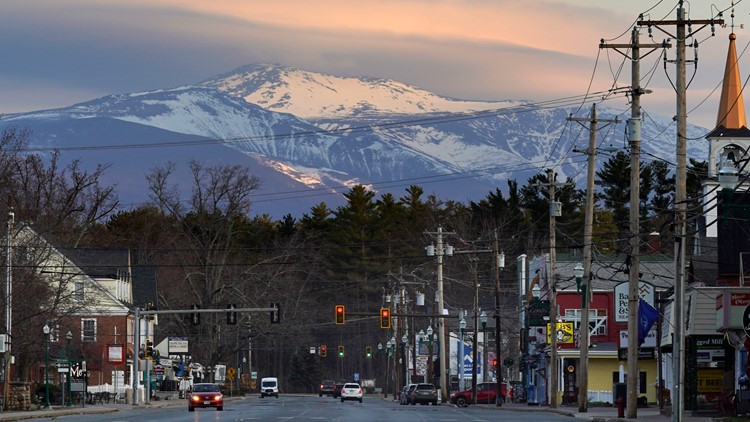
x: 709, y: 380
x: 645, y: 291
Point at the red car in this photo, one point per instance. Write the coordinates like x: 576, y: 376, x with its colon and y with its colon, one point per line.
x: 206, y: 395
x: 486, y: 392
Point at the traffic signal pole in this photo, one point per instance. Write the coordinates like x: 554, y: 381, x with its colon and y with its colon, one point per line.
x: 139, y: 313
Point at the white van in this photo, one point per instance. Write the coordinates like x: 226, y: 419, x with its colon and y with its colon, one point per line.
x: 269, y: 387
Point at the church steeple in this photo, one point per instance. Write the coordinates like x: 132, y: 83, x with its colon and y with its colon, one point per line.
x: 731, y: 106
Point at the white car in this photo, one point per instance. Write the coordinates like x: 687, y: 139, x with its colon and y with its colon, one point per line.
x: 351, y: 391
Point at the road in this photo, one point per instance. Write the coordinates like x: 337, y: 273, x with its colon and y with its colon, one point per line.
x: 313, y: 408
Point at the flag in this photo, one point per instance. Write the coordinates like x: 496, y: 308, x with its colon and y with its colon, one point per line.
x: 647, y: 315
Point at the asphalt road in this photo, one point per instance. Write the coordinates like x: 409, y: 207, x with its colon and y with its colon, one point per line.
x: 313, y: 408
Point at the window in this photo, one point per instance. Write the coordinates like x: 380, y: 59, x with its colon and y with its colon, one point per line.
x: 78, y: 293
x: 88, y: 330
x: 597, y: 320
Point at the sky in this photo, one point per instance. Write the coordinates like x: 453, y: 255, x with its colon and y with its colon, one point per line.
x: 56, y: 53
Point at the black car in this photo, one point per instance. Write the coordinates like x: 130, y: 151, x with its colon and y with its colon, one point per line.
x: 424, y: 394
x: 327, y: 387
x: 337, y: 389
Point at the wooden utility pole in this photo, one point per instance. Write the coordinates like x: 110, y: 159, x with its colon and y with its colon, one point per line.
x: 584, y: 330
x: 499, y: 265
x: 553, y: 212
x: 681, y: 25
x: 634, y: 136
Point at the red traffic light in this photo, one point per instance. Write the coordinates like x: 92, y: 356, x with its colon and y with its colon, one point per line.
x: 340, y: 314
x: 323, y: 350
x: 385, y: 317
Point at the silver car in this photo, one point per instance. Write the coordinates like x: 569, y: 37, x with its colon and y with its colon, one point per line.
x: 351, y: 391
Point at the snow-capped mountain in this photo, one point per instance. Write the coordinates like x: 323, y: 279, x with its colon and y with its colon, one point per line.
x: 307, y: 134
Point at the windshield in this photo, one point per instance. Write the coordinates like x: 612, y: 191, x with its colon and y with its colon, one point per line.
x: 269, y: 384
x: 201, y: 388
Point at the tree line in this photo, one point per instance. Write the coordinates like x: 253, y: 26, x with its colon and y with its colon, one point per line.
x: 209, y: 250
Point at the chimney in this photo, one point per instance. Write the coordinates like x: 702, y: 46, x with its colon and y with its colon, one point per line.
x: 654, y: 242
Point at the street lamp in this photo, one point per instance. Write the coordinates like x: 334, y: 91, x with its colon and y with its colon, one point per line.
x: 405, y: 360
x: 483, y: 320
x: 462, y: 326
x: 430, y: 368
x: 69, y: 337
x: 45, y: 330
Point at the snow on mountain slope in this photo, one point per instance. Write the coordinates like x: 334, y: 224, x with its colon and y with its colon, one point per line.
x: 316, y: 96
x: 353, y: 130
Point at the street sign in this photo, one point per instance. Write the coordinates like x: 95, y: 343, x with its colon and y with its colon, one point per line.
x: 231, y: 373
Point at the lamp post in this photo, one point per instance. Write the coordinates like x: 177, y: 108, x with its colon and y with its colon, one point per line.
x: 405, y: 360
x: 430, y: 368
x: 396, y: 386
x: 583, y: 340
x: 417, y: 348
x: 483, y: 319
x: 45, y: 330
x: 462, y: 326
x: 69, y: 337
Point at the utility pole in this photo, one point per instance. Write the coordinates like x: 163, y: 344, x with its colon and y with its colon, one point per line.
x: 8, y: 307
x: 634, y: 135
x: 553, y: 212
x: 678, y: 366
x: 584, y: 330
x: 499, y: 265
x: 475, y: 343
x: 441, y: 250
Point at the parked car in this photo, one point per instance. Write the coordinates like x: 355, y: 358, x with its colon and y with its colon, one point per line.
x: 327, y: 388
x: 486, y: 393
x: 424, y: 393
x: 351, y: 391
x: 205, y: 395
x: 405, y: 396
x: 269, y: 387
x: 337, y: 389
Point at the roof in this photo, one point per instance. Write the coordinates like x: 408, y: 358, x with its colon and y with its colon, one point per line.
x: 100, y: 263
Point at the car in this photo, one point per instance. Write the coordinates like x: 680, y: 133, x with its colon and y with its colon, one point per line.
x: 337, y: 389
x: 351, y: 391
x: 327, y: 387
x: 405, y: 396
x: 486, y: 393
x: 206, y: 395
x: 424, y: 393
x: 269, y: 387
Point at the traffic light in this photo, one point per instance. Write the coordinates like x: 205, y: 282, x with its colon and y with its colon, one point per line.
x: 195, y: 317
x: 494, y: 363
x: 276, y: 313
x: 341, y: 351
x: 340, y: 317
x: 385, y: 317
x: 232, y: 315
x: 149, y: 353
x: 149, y: 307
x: 323, y: 350
x: 368, y: 351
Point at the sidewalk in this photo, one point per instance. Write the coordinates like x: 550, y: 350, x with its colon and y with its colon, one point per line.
x: 55, y: 411
x: 604, y: 414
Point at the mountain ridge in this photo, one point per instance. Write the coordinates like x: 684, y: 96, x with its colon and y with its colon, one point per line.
x: 393, y: 134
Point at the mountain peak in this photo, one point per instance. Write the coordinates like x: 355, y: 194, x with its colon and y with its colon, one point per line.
x: 318, y: 96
